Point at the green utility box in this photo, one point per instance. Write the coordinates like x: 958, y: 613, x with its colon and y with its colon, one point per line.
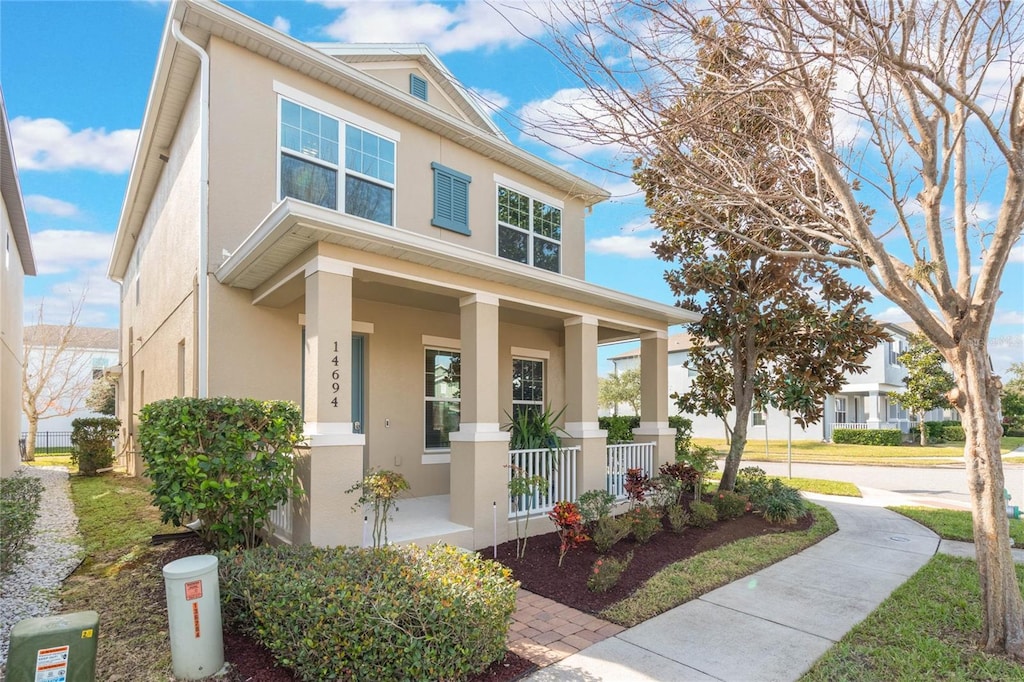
x: 54, y: 649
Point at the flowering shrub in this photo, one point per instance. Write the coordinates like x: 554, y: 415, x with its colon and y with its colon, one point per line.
x: 567, y: 518
x: 730, y: 505
x: 644, y: 523
x: 606, y: 573
x: 609, y: 530
x: 637, y: 485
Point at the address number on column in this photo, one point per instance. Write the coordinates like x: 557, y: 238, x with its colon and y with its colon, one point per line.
x: 335, y: 376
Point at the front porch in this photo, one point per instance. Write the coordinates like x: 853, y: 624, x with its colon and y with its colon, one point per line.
x: 426, y: 520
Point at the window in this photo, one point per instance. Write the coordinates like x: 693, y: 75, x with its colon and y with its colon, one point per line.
x: 418, y: 87
x: 451, y: 199
x: 529, y: 231
x: 527, y: 386
x: 840, y: 410
x: 759, y: 418
x: 442, y: 397
x: 310, y: 164
x: 98, y: 365
x: 896, y: 348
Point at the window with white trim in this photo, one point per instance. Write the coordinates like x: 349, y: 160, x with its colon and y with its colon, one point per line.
x: 527, y: 386
x: 840, y: 410
x: 758, y: 418
x: 529, y: 231
x: 442, y: 397
x: 312, y: 170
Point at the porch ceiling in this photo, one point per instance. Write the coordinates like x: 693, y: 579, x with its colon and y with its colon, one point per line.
x: 293, y: 227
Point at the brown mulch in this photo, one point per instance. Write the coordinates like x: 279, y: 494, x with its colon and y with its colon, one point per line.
x: 538, y: 572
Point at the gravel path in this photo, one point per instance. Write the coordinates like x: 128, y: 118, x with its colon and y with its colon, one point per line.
x: 33, y: 588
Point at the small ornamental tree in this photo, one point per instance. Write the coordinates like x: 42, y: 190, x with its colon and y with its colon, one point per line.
x: 521, y: 488
x: 623, y: 387
x: 92, y: 443
x: 103, y: 395
x: 380, y: 490
x: 927, y: 381
x: 224, y: 461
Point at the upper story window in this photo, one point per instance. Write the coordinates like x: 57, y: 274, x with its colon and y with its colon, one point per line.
x: 312, y: 168
x: 896, y: 348
x: 758, y: 418
x: 529, y: 230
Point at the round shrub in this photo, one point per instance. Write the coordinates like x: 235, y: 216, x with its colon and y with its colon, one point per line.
x: 92, y: 443
x: 390, y: 613
x: 729, y: 505
x: 702, y: 514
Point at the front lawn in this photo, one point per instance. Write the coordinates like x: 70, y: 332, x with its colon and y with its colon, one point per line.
x: 812, y: 485
x: 951, y: 524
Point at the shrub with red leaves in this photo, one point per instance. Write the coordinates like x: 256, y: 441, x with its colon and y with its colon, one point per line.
x: 567, y: 518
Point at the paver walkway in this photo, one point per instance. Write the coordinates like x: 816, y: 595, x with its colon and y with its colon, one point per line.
x: 545, y: 631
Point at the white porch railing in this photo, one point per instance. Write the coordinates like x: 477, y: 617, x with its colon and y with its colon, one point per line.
x: 558, y: 466
x: 623, y: 457
x: 281, y: 520
x: 866, y: 426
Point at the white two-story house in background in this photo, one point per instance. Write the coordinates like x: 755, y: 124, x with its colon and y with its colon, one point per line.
x: 863, y: 403
x: 343, y: 227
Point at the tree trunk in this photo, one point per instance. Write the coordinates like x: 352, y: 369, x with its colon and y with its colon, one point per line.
x: 30, y: 442
x: 977, y: 398
x: 923, y: 428
x: 735, y: 456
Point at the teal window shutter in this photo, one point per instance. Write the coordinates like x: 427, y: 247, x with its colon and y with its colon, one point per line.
x: 451, y: 199
x: 417, y: 87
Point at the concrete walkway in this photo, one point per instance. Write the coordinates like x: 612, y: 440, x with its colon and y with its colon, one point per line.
x: 774, y: 624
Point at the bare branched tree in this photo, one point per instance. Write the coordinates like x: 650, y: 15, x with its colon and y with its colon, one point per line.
x: 56, y: 377
x: 914, y: 108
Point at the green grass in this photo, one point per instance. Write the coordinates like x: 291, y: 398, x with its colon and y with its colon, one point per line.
x: 120, y: 577
x: 812, y: 485
x: 816, y: 451
x: 928, y: 629
x: 62, y: 459
x: 690, y: 578
x: 952, y: 524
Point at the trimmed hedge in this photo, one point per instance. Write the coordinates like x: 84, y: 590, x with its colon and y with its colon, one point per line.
x: 19, y: 507
x: 92, y: 443
x: 868, y: 436
x: 619, y: 428
x: 391, y: 613
x: 225, y: 461
x: 941, y: 432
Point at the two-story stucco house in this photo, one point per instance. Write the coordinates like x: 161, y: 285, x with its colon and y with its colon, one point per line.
x: 863, y: 403
x: 18, y: 262
x: 342, y: 226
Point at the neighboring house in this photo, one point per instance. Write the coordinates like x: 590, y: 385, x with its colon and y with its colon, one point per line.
x: 863, y: 403
x: 343, y: 227
x: 18, y: 262
x: 90, y: 351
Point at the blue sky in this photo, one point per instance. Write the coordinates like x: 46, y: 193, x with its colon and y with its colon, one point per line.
x: 76, y: 76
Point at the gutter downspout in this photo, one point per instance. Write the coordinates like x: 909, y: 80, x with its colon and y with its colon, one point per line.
x: 203, y: 312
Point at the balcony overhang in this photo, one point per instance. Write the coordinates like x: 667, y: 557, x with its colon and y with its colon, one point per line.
x: 292, y: 227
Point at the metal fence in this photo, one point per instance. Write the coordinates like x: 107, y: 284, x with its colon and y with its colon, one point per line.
x: 50, y: 442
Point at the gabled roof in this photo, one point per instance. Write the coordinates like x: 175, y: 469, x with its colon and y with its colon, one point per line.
x: 11, y: 188
x: 364, y: 53
x: 177, y: 69
x: 93, y: 338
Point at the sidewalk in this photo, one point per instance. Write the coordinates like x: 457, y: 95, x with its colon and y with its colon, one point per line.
x: 774, y: 624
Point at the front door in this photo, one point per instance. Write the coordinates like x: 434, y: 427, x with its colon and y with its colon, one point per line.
x: 358, y: 383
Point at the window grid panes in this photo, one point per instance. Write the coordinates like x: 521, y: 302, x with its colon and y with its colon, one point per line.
x: 529, y: 231
x: 527, y: 386
x: 310, y: 164
x: 442, y: 397
x: 840, y: 410
x: 759, y: 418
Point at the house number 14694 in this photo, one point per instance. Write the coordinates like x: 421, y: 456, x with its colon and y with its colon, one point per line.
x: 335, y: 376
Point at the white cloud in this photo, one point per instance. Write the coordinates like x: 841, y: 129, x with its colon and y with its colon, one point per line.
x: 49, y: 145
x: 491, y: 100
x: 445, y: 27
x: 552, y: 120
x: 281, y: 24
x: 1009, y: 317
x: 1017, y: 254
x: 891, y: 314
x: 58, y: 251
x: 37, y: 203
x: 630, y: 246
x: 1004, y: 351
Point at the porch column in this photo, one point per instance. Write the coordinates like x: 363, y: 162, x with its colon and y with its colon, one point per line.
x: 581, y: 404
x: 479, y: 448
x: 335, y: 460
x: 654, y: 398
x: 871, y: 411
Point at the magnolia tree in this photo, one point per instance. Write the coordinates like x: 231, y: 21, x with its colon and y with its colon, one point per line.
x: 913, y: 108
x: 927, y: 381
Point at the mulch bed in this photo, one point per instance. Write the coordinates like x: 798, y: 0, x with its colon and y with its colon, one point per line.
x: 538, y: 572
